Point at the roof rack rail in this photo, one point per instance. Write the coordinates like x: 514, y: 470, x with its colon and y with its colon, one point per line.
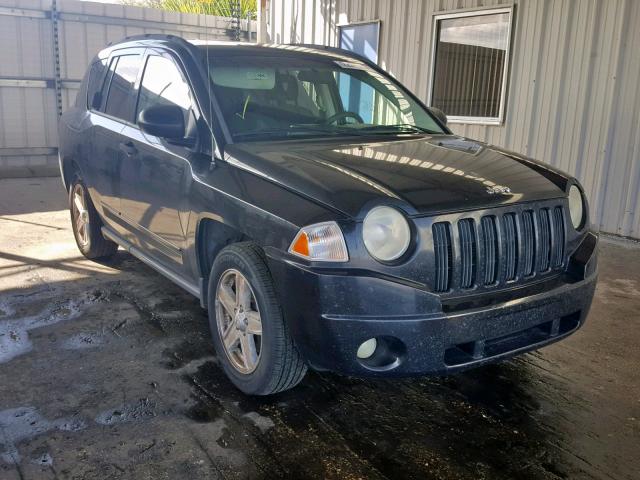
x: 149, y: 36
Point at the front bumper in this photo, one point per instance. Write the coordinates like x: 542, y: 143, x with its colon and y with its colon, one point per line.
x: 330, y: 315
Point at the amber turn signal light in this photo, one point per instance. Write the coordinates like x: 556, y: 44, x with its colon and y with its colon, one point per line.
x: 321, y: 242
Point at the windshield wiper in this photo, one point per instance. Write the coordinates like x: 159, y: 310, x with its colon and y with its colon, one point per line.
x: 296, y: 130
x: 270, y: 131
x: 399, y: 128
x: 300, y: 129
x: 332, y: 129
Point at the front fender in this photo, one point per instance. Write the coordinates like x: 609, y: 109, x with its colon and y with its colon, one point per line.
x: 253, y: 207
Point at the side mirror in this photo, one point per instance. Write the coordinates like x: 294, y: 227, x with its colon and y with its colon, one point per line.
x: 165, y: 121
x: 439, y: 114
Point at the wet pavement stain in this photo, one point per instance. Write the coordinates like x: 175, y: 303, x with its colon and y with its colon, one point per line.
x: 460, y: 426
x: 83, y: 340
x: 451, y: 427
x: 140, y: 410
x: 14, y: 332
x: 187, y: 352
x: 43, y: 460
x: 19, y: 424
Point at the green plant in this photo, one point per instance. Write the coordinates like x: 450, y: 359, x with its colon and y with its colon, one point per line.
x: 221, y: 8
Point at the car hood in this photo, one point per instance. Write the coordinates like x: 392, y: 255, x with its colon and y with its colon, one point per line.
x: 424, y: 175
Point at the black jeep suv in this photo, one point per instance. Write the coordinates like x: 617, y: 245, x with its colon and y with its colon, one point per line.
x: 324, y: 216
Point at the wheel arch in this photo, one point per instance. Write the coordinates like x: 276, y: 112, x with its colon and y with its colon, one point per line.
x: 212, y: 236
x: 69, y: 166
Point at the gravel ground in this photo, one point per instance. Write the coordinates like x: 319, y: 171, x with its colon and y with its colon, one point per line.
x: 107, y: 371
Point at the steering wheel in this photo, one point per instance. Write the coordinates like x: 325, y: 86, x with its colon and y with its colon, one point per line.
x: 340, y: 115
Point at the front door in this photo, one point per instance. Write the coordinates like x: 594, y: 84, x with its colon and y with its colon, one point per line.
x: 155, y: 174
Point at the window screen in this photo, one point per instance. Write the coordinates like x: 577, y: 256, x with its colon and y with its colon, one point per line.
x: 120, y: 98
x: 469, y: 68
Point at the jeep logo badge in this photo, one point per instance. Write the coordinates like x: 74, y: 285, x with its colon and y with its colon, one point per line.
x: 498, y: 189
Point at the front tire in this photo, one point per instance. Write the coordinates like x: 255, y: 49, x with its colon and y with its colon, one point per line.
x: 86, y: 223
x: 249, y: 333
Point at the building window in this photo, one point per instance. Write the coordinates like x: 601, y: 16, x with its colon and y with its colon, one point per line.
x: 363, y: 39
x: 470, y: 65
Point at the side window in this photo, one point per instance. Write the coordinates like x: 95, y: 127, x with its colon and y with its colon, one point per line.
x: 163, y: 84
x: 94, y: 84
x: 120, y: 98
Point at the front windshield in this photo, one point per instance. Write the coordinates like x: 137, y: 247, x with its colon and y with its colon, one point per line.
x: 282, y: 96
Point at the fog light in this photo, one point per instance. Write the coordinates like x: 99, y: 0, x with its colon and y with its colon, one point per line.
x: 366, y: 348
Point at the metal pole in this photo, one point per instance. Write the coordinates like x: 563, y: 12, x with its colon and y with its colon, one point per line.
x: 56, y: 56
x: 262, y: 21
x: 236, y: 13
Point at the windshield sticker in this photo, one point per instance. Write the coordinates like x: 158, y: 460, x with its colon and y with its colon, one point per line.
x: 247, y: 78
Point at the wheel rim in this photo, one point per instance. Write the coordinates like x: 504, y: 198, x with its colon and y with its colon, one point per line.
x: 239, y: 321
x: 80, y: 215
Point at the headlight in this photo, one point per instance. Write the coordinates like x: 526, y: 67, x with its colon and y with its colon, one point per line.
x: 576, y: 207
x: 321, y: 242
x: 386, y: 234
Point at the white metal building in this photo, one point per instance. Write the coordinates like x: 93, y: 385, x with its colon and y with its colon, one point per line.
x: 558, y: 80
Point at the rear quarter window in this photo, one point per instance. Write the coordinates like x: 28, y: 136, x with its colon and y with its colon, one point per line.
x: 94, y: 82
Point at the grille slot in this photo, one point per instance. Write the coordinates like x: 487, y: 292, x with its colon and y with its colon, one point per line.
x: 443, y: 255
x: 468, y: 254
x: 544, y: 227
x: 510, y: 245
x: 528, y: 244
x: 557, y: 254
x: 490, y: 244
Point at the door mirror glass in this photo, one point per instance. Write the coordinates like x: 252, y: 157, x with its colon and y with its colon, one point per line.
x: 439, y: 114
x: 166, y: 121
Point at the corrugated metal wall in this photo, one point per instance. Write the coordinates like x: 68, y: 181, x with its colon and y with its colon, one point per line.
x: 574, y: 82
x: 28, y: 99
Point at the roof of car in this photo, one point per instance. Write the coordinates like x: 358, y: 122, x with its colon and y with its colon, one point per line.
x: 167, y: 40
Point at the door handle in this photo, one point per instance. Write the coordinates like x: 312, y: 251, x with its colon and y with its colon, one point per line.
x: 129, y: 148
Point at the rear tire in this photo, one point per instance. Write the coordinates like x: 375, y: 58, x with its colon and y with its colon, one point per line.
x: 275, y: 364
x: 86, y: 223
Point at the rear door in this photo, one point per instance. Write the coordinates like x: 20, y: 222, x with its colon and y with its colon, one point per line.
x: 156, y: 178
x: 112, y: 109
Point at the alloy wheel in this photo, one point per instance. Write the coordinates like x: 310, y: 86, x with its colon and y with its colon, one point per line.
x: 80, y: 215
x: 239, y: 322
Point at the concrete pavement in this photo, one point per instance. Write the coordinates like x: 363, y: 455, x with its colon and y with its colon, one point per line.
x: 107, y: 371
